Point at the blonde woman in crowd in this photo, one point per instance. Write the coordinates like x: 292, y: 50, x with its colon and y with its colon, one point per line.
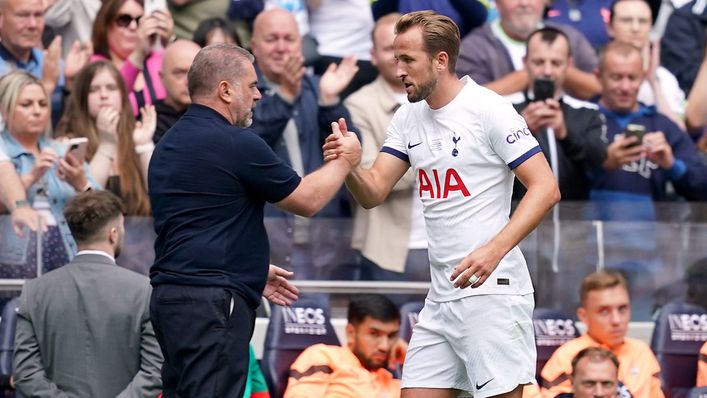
x: 50, y: 175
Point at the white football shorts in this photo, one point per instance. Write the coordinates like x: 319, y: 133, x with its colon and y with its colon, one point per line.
x: 482, y: 344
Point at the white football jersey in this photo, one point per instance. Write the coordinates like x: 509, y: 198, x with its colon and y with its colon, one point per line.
x: 463, y: 155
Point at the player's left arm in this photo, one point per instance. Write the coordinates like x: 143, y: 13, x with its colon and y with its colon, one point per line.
x: 543, y: 193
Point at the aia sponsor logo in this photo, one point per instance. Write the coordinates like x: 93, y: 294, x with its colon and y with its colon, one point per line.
x: 438, y: 186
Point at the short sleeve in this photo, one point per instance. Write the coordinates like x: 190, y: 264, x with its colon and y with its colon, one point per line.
x: 3, y: 156
x: 509, y: 135
x: 262, y: 172
x: 395, y: 142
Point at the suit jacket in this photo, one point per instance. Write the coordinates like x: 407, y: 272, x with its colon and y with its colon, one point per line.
x: 382, y: 233
x: 84, y: 330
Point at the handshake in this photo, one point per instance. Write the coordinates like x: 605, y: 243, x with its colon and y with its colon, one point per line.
x: 342, y: 143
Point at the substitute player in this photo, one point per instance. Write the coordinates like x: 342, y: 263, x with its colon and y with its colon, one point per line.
x: 464, y: 143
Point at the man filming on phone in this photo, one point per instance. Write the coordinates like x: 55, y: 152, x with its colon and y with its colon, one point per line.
x: 568, y: 132
x: 646, y: 149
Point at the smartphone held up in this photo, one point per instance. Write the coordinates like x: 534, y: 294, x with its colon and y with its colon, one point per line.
x: 543, y: 89
x: 77, y: 148
x: 635, y: 130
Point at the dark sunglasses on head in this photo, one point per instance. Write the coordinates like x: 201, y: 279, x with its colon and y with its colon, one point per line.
x: 124, y: 20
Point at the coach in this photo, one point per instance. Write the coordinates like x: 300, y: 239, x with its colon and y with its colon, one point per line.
x: 209, y: 179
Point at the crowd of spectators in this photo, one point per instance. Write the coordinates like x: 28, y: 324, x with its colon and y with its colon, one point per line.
x: 115, y: 72
x: 117, y: 76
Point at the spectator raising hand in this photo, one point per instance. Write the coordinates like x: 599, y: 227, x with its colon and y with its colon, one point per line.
x: 77, y: 58
x: 142, y: 136
x: 145, y: 128
x: 51, y: 69
x: 336, y: 79
x: 291, y: 77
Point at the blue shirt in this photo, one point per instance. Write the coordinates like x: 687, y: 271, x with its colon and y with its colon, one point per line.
x: 642, y: 182
x: 587, y: 16
x: 34, y: 66
x: 209, y: 182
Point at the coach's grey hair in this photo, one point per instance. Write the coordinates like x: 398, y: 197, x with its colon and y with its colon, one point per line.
x: 216, y: 63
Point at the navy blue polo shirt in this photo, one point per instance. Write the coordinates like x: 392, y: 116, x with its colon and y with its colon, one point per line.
x: 209, y: 182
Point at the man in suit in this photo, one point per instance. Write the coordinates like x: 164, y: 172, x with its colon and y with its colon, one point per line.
x: 84, y: 330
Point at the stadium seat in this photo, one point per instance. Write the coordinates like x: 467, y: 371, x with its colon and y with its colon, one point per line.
x: 679, y: 332
x: 408, y: 318
x: 8, y: 321
x: 290, y: 331
x: 552, y: 329
x: 698, y: 392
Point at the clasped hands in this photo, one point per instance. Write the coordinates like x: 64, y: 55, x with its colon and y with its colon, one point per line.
x: 342, y: 143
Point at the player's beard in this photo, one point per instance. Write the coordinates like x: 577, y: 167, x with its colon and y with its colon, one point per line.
x: 424, y: 89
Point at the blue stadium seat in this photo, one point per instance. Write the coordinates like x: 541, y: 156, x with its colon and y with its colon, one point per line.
x: 552, y: 329
x: 679, y: 332
x: 290, y: 331
x: 408, y: 318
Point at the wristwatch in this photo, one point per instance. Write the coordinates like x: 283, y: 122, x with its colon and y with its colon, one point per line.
x: 19, y: 204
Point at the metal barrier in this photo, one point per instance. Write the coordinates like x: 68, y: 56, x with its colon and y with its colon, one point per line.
x: 653, y: 255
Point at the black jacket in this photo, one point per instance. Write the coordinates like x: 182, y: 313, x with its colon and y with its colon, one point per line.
x: 166, y: 117
x: 578, y: 154
x: 682, y: 45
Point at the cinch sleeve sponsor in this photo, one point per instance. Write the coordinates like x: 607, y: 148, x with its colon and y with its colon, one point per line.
x: 510, y: 136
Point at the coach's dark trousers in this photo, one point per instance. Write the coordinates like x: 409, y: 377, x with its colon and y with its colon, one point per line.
x: 205, y: 345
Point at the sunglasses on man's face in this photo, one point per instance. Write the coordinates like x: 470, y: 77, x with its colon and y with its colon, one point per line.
x: 124, y: 20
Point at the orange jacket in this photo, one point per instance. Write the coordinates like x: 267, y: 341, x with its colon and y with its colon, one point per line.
x: 325, y: 371
x: 638, y: 369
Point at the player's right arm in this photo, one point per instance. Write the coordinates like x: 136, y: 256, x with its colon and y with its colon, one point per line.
x: 371, y: 186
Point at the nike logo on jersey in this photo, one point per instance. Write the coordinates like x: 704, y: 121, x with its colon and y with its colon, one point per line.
x: 410, y: 146
x: 480, y: 386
